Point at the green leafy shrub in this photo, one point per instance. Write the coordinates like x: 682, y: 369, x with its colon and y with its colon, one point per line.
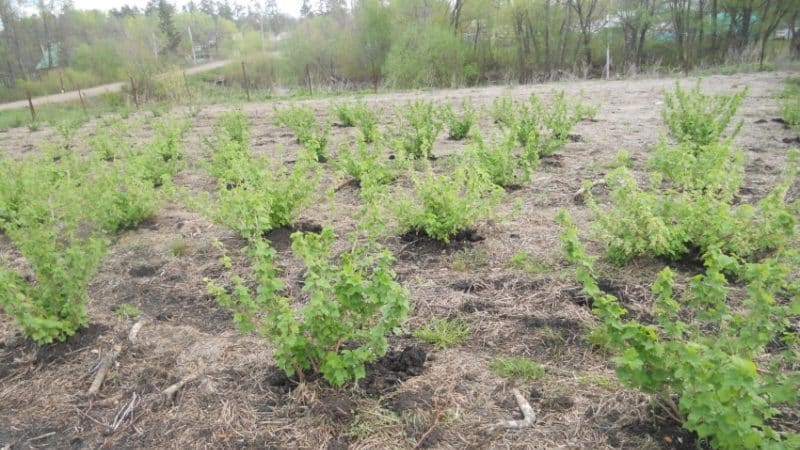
x: 441, y: 206
x: 458, y: 126
x: 255, y: 196
x: 541, y: 130
x: 233, y: 126
x: 708, y: 347
x: 503, y: 111
x: 367, y: 163
x: 53, y: 306
x: 358, y: 115
x: 59, y: 208
x: 351, y: 306
x: 689, y: 206
x: 367, y: 123
x: 346, y: 113
x: 789, y: 101
x: 421, y: 126
x: 268, y: 200
x: 109, y: 140
x: 161, y: 158
x: 303, y: 122
x: 700, y: 119
x: 501, y: 162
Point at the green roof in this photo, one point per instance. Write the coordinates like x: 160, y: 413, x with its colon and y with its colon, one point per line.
x: 46, y: 62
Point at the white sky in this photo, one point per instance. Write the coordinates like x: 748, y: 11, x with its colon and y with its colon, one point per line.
x: 290, y: 7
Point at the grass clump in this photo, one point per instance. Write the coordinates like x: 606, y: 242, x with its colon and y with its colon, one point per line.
x: 517, y: 367
x: 127, y: 311
x: 443, y: 333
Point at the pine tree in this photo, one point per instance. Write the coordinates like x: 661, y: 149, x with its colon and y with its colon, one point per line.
x: 305, y: 10
x: 167, y: 25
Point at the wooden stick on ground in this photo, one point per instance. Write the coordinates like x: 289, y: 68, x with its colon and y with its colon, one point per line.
x: 105, y: 365
x: 169, y: 393
x: 134, y: 331
x: 527, y: 413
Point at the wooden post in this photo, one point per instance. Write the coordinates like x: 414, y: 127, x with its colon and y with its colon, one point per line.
x: 246, y: 84
x: 186, y: 83
x: 61, y: 80
x: 308, y: 80
x: 83, y: 104
x: 30, y: 105
x: 133, y: 92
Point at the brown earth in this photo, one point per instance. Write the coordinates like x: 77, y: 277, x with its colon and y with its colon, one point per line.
x: 241, y: 401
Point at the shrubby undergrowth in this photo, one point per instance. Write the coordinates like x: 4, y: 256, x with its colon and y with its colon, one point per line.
x: 60, y: 209
x: 724, y: 345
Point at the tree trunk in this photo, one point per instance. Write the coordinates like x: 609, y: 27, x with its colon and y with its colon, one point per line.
x: 744, y: 36
x: 714, y: 36
x: 547, y: 62
x: 794, y: 46
x: 701, y: 20
x: 563, y: 37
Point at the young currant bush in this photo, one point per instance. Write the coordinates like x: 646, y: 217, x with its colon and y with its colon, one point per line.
x: 503, y: 112
x: 501, y: 162
x: 352, y: 305
x: 345, y: 112
x: 367, y: 162
x: 421, y: 127
x: 303, y: 122
x: 694, y: 210
x: 59, y: 208
x: 459, y: 126
x: 539, y: 129
x: 708, y: 348
x: 255, y: 196
x: 358, y: 115
x: 233, y: 126
x: 700, y: 119
x: 789, y: 101
x: 441, y: 206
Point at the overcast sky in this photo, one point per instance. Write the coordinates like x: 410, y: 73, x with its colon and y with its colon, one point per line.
x: 291, y: 7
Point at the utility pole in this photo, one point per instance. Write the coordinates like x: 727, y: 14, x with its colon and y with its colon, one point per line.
x: 191, y: 41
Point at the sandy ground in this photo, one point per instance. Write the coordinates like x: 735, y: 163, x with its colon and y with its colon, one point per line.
x: 97, y: 90
x: 238, y: 399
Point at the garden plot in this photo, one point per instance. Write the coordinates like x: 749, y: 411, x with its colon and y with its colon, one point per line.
x: 494, y: 307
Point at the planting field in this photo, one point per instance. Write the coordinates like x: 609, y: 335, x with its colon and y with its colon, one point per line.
x: 494, y: 305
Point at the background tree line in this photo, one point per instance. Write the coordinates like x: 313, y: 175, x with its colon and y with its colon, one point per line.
x: 395, y: 43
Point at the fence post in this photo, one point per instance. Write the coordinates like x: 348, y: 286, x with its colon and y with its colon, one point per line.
x: 83, y: 104
x: 30, y: 105
x: 186, y: 83
x: 133, y: 92
x: 308, y: 80
x: 246, y: 84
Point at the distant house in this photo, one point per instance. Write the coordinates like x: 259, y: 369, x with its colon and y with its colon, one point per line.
x: 50, y: 57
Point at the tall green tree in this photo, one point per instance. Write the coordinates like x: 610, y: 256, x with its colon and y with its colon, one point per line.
x: 167, y: 26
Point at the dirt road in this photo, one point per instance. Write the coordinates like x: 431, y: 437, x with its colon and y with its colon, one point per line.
x: 97, y: 90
